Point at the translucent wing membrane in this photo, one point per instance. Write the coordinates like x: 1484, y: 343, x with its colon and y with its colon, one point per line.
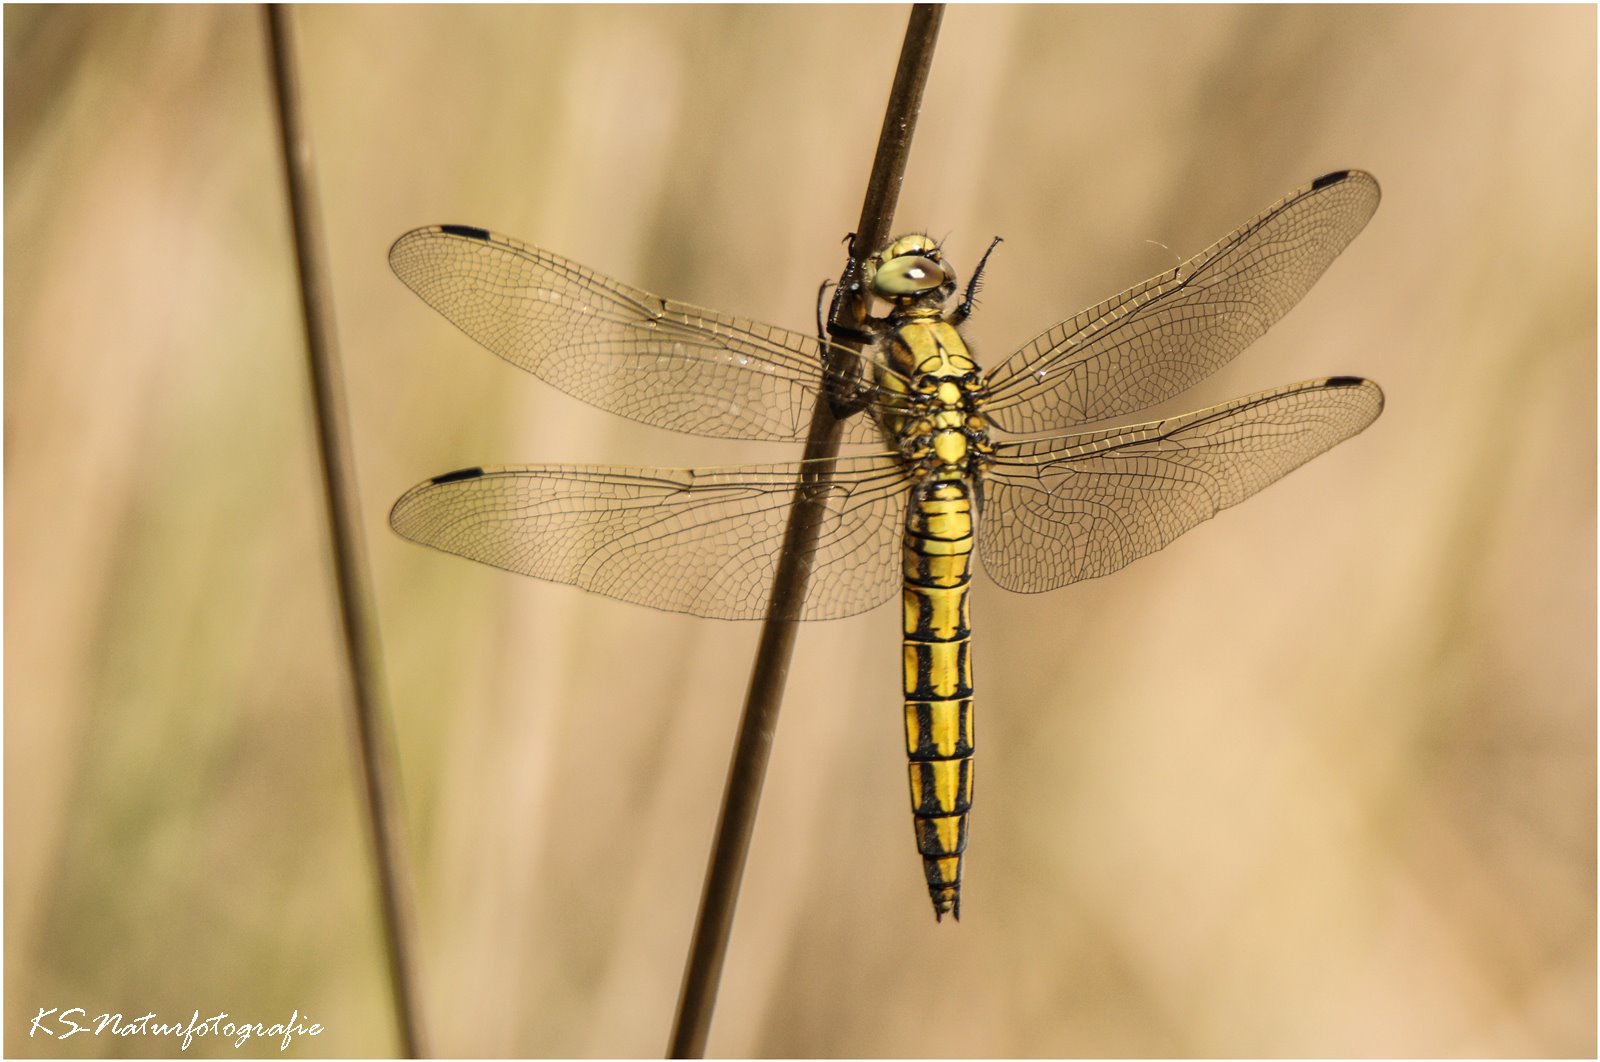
x: 1056, y: 510
x: 1081, y: 506
x: 1161, y: 337
x: 701, y: 541
x: 661, y: 362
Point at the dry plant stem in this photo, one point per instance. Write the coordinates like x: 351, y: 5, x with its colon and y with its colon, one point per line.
x: 758, y: 724
x: 378, y: 762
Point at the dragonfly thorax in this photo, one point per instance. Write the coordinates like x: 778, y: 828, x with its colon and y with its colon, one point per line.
x: 939, y: 425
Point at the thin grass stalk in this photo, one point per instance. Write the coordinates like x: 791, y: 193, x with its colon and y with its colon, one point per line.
x: 378, y: 762
x: 758, y: 724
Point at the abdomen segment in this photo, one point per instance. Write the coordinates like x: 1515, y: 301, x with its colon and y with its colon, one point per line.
x: 938, y: 681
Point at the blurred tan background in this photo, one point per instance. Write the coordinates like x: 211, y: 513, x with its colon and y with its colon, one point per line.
x: 1317, y: 780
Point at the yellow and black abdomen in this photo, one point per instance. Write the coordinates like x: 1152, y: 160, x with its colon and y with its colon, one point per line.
x: 938, y: 680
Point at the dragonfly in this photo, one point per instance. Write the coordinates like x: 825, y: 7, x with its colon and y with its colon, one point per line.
x: 1013, y: 463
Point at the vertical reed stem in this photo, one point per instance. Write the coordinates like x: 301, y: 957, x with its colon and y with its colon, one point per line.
x: 753, y: 746
x: 375, y: 743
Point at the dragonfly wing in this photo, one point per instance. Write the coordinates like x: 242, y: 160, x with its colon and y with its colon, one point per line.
x: 1163, y: 336
x: 654, y: 360
x: 1081, y: 506
x: 700, y: 541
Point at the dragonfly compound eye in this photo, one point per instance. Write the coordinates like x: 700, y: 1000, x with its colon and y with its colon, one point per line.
x: 911, y: 244
x: 908, y: 275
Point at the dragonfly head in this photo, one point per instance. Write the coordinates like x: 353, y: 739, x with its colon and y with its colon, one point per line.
x: 911, y: 271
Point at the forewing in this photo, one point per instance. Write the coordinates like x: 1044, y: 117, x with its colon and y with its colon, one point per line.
x: 1081, y: 506
x: 654, y: 360
x: 700, y: 541
x: 1163, y: 336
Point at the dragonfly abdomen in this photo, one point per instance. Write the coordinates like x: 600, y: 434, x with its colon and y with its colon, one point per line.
x: 938, y: 680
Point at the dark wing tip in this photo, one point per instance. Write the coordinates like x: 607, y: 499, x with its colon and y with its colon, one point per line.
x: 402, y: 247
x: 1362, y: 383
x: 471, y: 232
x: 1356, y: 177
x: 460, y: 473
x: 402, y: 517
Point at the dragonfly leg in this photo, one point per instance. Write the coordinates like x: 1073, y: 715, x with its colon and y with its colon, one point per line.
x: 822, y: 319
x: 847, y: 392
x: 849, y: 311
x: 964, y: 308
